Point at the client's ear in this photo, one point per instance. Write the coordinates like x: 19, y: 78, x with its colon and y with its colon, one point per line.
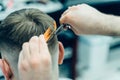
x: 6, y: 69
x: 61, y: 53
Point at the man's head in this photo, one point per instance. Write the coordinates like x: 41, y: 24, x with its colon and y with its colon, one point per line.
x: 19, y: 27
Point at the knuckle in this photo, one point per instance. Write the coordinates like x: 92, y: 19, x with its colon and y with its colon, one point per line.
x: 46, y: 60
x: 83, y: 4
x: 66, y: 17
x: 34, y: 63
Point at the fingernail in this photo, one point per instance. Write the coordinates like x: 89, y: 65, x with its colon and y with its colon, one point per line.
x: 34, y: 38
x: 42, y: 37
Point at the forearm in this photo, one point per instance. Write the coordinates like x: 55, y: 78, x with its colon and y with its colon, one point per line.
x: 111, y: 25
x: 85, y: 19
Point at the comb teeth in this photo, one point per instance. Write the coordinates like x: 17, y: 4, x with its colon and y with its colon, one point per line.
x: 47, y: 34
x: 55, y: 25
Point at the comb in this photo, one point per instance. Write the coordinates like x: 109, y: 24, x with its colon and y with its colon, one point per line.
x: 49, y: 34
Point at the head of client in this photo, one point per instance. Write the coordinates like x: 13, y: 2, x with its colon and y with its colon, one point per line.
x: 19, y: 27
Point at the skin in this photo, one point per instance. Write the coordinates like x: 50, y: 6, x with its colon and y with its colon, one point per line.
x: 35, y: 60
x: 85, y: 19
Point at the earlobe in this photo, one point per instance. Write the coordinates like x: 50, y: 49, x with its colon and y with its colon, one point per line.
x: 61, y: 53
x: 6, y: 69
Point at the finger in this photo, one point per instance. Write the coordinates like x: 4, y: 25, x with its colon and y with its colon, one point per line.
x: 43, y: 45
x: 24, y: 66
x: 25, y: 50
x: 66, y: 18
x: 63, y: 19
x: 44, y: 52
x: 22, y: 63
x: 65, y: 12
x: 69, y: 9
x: 20, y: 58
x: 34, y: 46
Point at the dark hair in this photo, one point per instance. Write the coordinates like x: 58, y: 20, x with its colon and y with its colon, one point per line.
x: 21, y: 25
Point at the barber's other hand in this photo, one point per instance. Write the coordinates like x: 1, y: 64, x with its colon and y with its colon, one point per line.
x: 83, y: 18
x: 35, y: 60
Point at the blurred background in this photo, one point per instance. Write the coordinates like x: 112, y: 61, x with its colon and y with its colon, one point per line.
x: 87, y: 57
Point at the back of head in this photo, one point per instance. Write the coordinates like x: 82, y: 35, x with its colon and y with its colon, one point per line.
x: 19, y: 27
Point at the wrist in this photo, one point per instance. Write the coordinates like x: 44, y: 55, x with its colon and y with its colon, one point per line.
x: 113, y: 25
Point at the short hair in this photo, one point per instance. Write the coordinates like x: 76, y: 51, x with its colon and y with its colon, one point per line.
x: 21, y: 25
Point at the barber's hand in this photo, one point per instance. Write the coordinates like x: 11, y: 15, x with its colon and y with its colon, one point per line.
x: 83, y: 18
x: 35, y: 60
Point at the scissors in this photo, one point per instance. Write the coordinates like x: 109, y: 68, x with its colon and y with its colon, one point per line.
x: 48, y: 34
